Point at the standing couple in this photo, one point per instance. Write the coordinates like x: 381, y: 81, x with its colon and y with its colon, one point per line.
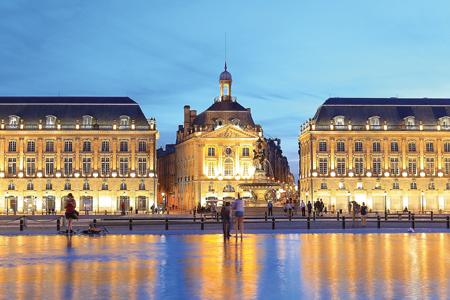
x: 236, y: 210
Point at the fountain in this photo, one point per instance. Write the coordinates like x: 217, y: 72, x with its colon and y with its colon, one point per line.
x: 262, y: 188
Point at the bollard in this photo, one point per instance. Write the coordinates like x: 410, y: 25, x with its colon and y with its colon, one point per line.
x: 217, y: 217
x: 308, y: 223
x: 385, y: 216
x: 95, y: 222
x: 337, y: 216
x: 130, y: 224
x: 448, y: 222
x: 378, y: 222
x: 413, y: 222
x: 167, y: 223
x: 273, y: 223
x: 409, y: 216
x: 265, y: 216
x: 290, y: 216
x: 195, y: 216
x: 21, y: 224
x: 58, y: 224
x: 314, y: 215
x: 432, y: 216
x: 343, y: 222
x: 202, y: 226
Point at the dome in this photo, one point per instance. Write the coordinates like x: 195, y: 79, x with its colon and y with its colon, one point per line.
x: 225, y: 75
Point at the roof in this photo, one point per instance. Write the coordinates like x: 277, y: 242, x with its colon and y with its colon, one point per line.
x: 391, y: 110
x: 227, y: 111
x: 69, y: 110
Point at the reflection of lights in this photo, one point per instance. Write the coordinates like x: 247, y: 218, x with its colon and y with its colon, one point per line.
x: 332, y: 173
x: 422, y: 174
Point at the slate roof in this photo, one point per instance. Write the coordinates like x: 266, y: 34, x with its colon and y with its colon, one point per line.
x: 70, y: 109
x: 392, y: 110
x: 227, y: 111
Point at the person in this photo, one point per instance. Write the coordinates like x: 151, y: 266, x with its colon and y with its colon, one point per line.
x: 153, y: 208
x: 238, y: 207
x: 270, y: 208
x: 309, y: 206
x: 71, y: 213
x: 303, y: 208
x: 225, y: 213
x: 321, y: 207
x: 122, y: 207
x: 363, y: 214
x: 290, y: 207
x: 349, y: 205
x: 405, y: 210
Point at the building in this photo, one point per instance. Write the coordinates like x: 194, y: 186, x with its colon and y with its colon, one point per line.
x: 213, y: 150
x: 166, y: 175
x: 100, y: 149
x: 389, y: 153
x: 279, y: 165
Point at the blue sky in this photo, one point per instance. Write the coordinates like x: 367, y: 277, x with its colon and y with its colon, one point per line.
x: 286, y: 57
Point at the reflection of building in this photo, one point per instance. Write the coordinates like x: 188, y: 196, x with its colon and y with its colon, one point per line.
x: 390, y: 153
x: 214, y: 150
x: 101, y: 149
x: 166, y: 175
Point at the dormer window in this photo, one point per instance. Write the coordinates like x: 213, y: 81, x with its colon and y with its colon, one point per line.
x: 14, y: 121
x: 50, y: 121
x: 87, y: 121
x: 410, y: 122
x: 219, y: 122
x: 124, y: 121
x: 445, y: 122
x: 339, y: 121
x: 235, y: 122
x: 374, y: 122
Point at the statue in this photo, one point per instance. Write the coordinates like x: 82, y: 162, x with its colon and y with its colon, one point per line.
x: 259, y: 155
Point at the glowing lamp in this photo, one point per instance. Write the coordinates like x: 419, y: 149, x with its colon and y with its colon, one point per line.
x: 314, y: 174
x: 2, y: 174
x: 20, y: 174
x: 114, y: 174
x: 369, y: 174
x: 151, y: 174
x: 351, y: 174
x: 58, y: 174
x: 76, y: 174
x: 422, y: 174
x: 404, y: 173
x: 95, y: 174
x: 386, y: 174
x: 39, y: 174
x: 133, y: 174
x: 440, y: 174
x: 332, y: 173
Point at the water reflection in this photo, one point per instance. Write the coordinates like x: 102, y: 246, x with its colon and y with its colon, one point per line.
x: 202, y: 266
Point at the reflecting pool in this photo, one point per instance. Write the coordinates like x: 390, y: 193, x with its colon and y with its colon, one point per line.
x: 289, y: 266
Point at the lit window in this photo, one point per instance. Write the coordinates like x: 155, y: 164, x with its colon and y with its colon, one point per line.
x: 124, y: 122
x: 142, y: 166
x: 211, y: 169
x: 245, y: 152
x: 340, y: 166
x: 228, y: 167
x: 394, y: 164
x: 323, y: 186
x: 359, y: 165
x: 339, y: 121
x: 86, y: 186
x: 30, y: 166
x: 323, y: 166
x: 123, y: 186
x: 211, y: 151
x: 412, y: 147
x: 395, y: 185
x: 87, y: 166
x: 413, y: 185
x: 50, y: 122
x: 123, y: 166
x: 374, y: 122
x: 12, y: 146
x: 376, y: 146
x: 394, y: 146
x: 376, y: 166
x: 49, y: 166
x: 12, y: 166
x: 68, y: 166
x: 31, y: 146
x: 105, y: 166
x: 87, y: 121
x: 358, y: 146
x: 340, y: 146
x: 410, y: 122
x: 142, y: 146
x: 30, y: 186
x: 429, y: 165
x: 445, y: 122
x: 13, y: 121
x: 412, y: 166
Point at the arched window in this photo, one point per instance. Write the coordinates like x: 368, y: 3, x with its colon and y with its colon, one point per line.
x: 13, y: 121
x: 228, y: 189
x: 87, y: 121
x: 228, y: 167
x: 339, y: 121
x: 445, y: 122
x: 105, y: 186
x: 50, y: 122
x: 67, y: 186
x: 374, y: 122
x: 142, y: 186
x: 219, y: 122
x: 30, y: 186
x: 123, y: 186
x: 11, y: 186
x: 124, y: 121
x: 410, y: 122
x: 48, y: 186
x: 236, y: 122
x: 86, y: 186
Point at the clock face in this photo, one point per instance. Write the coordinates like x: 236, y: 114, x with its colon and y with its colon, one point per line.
x: 228, y: 151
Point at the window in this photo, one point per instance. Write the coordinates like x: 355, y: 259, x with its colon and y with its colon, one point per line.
x: 211, y: 151
x: 49, y: 146
x: 12, y: 146
x: 142, y: 146
x: 31, y: 146
x: 395, y: 170
x: 68, y: 166
x: 142, y: 186
x: 340, y: 166
x: 87, y: 121
x: 339, y: 121
x: 12, y: 166
x: 67, y: 186
x: 48, y: 186
x: 376, y: 166
x: 410, y: 122
x: 376, y: 146
x: 30, y: 186
x: 323, y: 166
x: 142, y: 166
x: 340, y: 146
x: 104, y: 186
x: 228, y: 167
x: 13, y: 121
x: 123, y: 166
x: 124, y: 122
x: 445, y: 122
x: 323, y: 186
x: 211, y: 169
x: 358, y: 146
x: 322, y: 146
x: 374, y: 122
x: 447, y: 166
x: 446, y: 146
x: 86, y: 186
x: 429, y: 165
x: 245, y: 168
x: 359, y: 165
x: 431, y: 185
x: 105, y: 146
x: 68, y: 146
x: 87, y: 165
x: 30, y: 166
x: 412, y: 166
x: 219, y: 122
x: 50, y: 121
x: 394, y: 146
x: 413, y: 185
x: 235, y: 122
x: 395, y: 185
x: 123, y: 186
x: 245, y: 152
x: 429, y: 147
x: 11, y: 186
x: 105, y: 166
x: 49, y: 166
x: 412, y: 147
x: 87, y: 146
x: 123, y: 146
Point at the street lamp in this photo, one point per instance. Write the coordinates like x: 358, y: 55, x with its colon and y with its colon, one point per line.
x: 421, y: 201
x: 385, y: 203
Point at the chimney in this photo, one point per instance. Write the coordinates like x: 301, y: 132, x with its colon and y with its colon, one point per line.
x: 193, y: 115
x: 187, y: 116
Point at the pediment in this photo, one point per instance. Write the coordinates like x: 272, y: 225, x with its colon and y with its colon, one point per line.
x: 231, y: 131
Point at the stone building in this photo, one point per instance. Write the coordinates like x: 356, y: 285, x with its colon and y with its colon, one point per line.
x: 100, y: 149
x: 166, y: 176
x: 389, y: 153
x: 279, y: 165
x: 214, y: 150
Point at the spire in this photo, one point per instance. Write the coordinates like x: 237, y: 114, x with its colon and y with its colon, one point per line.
x: 225, y: 65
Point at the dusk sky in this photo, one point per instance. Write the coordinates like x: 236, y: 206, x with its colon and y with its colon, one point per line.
x: 286, y: 57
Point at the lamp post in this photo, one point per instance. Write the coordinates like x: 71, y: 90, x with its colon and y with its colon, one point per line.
x: 349, y: 197
x: 421, y: 201
x: 385, y: 202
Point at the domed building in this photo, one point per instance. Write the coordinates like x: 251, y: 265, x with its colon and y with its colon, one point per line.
x: 213, y: 153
